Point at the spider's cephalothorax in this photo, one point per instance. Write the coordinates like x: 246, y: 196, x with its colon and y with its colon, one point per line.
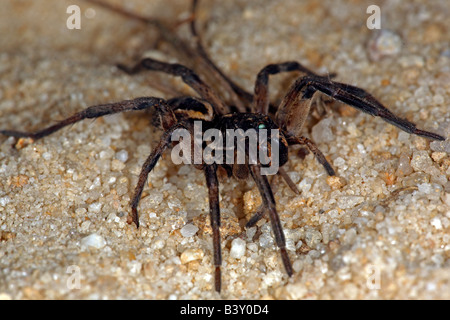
x: 252, y: 113
x: 270, y: 146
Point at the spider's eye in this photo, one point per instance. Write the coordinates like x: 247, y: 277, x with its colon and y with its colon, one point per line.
x: 261, y: 126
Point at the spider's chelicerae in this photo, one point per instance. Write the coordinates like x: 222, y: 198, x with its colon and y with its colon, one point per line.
x: 245, y: 111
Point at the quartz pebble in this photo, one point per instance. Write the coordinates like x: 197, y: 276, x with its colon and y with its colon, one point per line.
x: 321, y: 132
x: 122, y: 155
x: 384, y: 43
x: 93, y: 240
x: 191, y: 255
x: 189, y: 230
x: 237, y: 248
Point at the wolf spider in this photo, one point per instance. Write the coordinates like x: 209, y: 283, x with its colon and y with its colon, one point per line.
x: 249, y: 111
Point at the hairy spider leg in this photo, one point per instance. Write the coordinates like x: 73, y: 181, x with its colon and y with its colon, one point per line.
x: 167, y: 116
x: 320, y: 157
x: 261, y: 96
x: 187, y: 75
x: 168, y: 120
x: 261, y: 105
x: 199, y: 55
x: 261, y: 210
x: 165, y: 32
x: 296, y: 102
x: 269, y: 202
x: 214, y: 214
x: 148, y: 166
x: 281, y: 172
x: 234, y: 90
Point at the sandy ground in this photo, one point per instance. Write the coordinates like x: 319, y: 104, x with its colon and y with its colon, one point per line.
x: 381, y: 231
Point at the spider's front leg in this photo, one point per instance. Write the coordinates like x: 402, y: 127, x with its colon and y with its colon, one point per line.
x: 214, y: 214
x: 320, y: 157
x: 295, y: 106
x: 167, y: 116
x: 261, y: 96
x: 261, y: 105
x: 168, y: 121
x: 148, y: 166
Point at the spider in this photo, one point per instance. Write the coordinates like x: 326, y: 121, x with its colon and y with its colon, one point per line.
x: 249, y: 111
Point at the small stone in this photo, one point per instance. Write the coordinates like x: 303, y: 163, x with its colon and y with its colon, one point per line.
x: 438, y: 99
x: 336, y: 182
x: 4, y: 201
x: 148, y: 269
x: 421, y: 161
x: 266, y: 240
x: 296, y: 291
x: 321, y: 132
x: 313, y: 238
x: 80, y: 211
x: 251, y: 232
x: 23, y: 142
x: 305, y: 184
x: 238, y: 247
x: 117, y: 165
x: 438, y: 156
x: 404, y: 167
x: 339, y: 162
x: 106, y: 154
x: 436, y: 222
x: 189, y: 230
x: 447, y: 199
x: 157, y: 244
x: 134, y: 266
x: 153, y: 199
x: 191, y: 255
x: 84, y: 227
x: 384, y: 43
x: 94, y: 240
x: 46, y: 155
x: 252, y: 200
x: 349, y: 237
x: 122, y: 155
x: 297, y: 265
x: 252, y: 284
x: 424, y: 188
x: 95, y: 207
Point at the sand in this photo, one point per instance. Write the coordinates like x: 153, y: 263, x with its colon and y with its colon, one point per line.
x: 378, y: 231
